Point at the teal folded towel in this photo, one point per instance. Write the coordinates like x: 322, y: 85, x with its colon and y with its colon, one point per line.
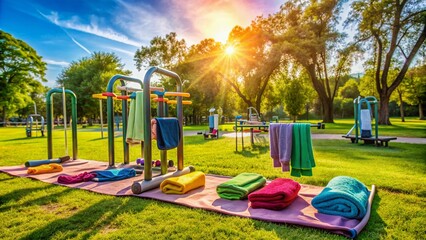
x: 302, y: 157
x: 343, y: 196
x: 240, y: 186
x: 113, y: 174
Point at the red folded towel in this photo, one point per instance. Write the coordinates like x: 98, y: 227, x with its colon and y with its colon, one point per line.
x: 277, y: 195
x: 82, y: 177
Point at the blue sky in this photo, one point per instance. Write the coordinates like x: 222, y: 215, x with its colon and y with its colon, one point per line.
x: 62, y: 31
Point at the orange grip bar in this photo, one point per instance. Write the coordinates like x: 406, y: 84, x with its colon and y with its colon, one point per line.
x: 177, y: 94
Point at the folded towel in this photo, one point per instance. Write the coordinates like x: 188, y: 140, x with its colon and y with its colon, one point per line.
x: 240, y: 186
x: 277, y: 195
x: 82, y: 177
x: 134, y: 133
x: 302, y: 157
x: 46, y: 168
x: 280, y: 138
x: 113, y: 174
x: 168, y: 133
x: 183, y: 184
x: 343, y: 196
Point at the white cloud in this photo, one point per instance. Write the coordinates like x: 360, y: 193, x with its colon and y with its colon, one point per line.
x: 80, y: 45
x: 92, y: 28
x: 57, y: 63
x: 129, y: 53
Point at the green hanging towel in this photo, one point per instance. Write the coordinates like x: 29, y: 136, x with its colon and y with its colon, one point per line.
x: 240, y: 186
x: 302, y: 157
x: 135, y: 123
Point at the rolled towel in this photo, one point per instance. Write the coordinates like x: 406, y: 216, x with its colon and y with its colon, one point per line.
x: 240, y: 186
x: 82, y: 177
x: 343, y: 196
x: 277, y: 195
x: 183, y: 184
x: 113, y: 174
x: 46, y: 168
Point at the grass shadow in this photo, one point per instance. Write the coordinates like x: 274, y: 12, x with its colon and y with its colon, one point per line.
x: 91, y: 220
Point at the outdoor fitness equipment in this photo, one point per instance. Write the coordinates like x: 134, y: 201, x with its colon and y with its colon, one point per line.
x: 49, y: 103
x: 33, y: 124
x: 149, y: 182
x: 213, y: 125
x: 363, y: 123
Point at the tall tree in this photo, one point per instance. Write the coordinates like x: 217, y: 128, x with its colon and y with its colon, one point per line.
x: 90, y: 75
x: 166, y: 52
x: 394, y: 30
x: 295, y: 96
x: 416, y: 88
x: 21, y: 71
x: 306, y: 32
x: 253, y: 64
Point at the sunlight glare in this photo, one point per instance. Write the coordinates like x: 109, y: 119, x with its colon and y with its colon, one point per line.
x: 229, y: 50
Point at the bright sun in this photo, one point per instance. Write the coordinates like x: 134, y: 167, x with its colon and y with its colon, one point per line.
x: 229, y: 50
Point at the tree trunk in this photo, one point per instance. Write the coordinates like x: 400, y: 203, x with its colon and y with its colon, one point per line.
x: 384, y: 110
x: 401, y: 107
x: 421, y: 114
x: 4, y: 115
x: 327, y: 108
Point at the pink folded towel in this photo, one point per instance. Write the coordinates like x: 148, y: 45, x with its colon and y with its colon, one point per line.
x: 70, y: 179
x: 277, y: 195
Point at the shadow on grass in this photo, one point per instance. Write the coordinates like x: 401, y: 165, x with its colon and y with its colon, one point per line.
x: 16, y: 195
x: 91, y: 220
x: 253, y: 151
x: 18, y: 139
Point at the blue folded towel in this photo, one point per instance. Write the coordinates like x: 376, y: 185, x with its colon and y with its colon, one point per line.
x: 168, y: 133
x: 343, y: 196
x: 113, y: 174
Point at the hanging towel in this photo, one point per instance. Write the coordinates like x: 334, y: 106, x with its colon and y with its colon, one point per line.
x: 343, y: 196
x: 280, y: 138
x: 302, y: 157
x: 113, y: 174
x: 46, y: 168
x: 82, y: 177
x: 184, y: 183
x: 168, y: 133
x: 240, y: 186
x: 153, y: 129
x: 135, y: 123
x: 277, y: 195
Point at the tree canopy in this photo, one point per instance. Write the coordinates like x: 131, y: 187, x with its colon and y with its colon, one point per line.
x: 90, y: 75
x: 393, y: 32
x: 21, y: 73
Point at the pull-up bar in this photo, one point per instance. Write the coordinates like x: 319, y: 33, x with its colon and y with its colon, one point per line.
x: 131, y: 89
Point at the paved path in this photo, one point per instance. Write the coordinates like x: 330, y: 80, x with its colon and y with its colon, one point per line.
x: 314, y: 136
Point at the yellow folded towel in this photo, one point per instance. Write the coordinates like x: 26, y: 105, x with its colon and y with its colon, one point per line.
x: 45, y: 168
x: 184, y: 183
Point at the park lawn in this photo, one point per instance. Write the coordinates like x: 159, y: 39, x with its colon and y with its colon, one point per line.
x: 32, y: 209
x: 412, y: 127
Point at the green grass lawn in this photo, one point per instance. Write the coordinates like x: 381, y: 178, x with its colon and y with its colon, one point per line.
x: 412, y: 127
x: 35, y: 210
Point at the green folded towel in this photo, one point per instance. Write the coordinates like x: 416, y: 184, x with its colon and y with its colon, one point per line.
x: 302, y: 157
x: 240, y: 186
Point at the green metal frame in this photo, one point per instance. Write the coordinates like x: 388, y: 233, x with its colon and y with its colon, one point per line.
x: 147, y: 153
x: 49, y: 119
x: 110, y: 118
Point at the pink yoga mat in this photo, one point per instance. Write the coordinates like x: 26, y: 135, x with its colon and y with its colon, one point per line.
x: 300, y: 212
